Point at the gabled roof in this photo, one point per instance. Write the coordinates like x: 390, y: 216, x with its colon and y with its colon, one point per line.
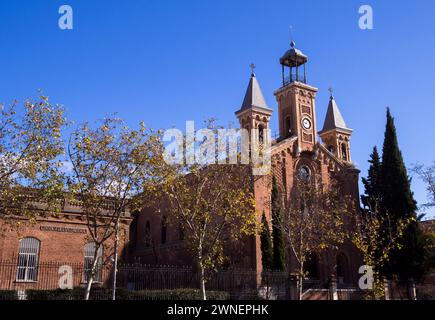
x: 253, y: 96
x: 334, y: 119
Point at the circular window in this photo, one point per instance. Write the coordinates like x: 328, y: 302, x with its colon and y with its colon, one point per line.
x: 304, y: 173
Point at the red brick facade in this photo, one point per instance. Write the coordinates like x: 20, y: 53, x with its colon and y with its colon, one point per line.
x: 296, y: 146
x: 61, y: 239
x: 149, y: 240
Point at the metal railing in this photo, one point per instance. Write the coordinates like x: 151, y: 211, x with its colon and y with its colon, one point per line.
x: 142, y: 282
x: 293, y: 78
x: 150, y: 282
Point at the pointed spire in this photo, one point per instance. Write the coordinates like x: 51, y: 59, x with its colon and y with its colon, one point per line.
x: 334, y: 119
x: 253, y: 96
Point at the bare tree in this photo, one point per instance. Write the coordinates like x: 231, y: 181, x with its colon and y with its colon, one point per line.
x: 427, y: 175
x: 314, y: 220
x: 111, y: 165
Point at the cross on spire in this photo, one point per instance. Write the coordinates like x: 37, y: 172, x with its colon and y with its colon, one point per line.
x: 331, y: 91
x: 252, y: 69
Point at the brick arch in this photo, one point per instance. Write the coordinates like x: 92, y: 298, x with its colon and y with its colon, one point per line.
x: 301, y: 162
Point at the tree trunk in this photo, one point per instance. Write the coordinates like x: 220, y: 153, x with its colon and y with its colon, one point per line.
x: 202, y: 281
x: 300, y: 287
x: 92, y: 273
x: 301, y: 281
x: 115, y: 259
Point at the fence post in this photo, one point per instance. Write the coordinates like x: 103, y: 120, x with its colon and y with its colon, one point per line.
x: 294, y: 294
x: 11, y: 277
x: 333, y: 288
x: 386, y: 289
x: 412, y: 294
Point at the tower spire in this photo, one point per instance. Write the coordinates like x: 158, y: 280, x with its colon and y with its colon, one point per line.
x: 335, y: 133
x: 334, y: 119
x: 253, y: 96
x: 254, y: 112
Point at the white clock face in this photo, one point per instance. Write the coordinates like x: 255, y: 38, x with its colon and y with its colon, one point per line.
x: 306, y: 123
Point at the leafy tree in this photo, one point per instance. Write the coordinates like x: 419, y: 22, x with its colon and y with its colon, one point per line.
x: 111, y: 166
x: 373, y: 235
x: 398, y: 201
x: 266, y: 245
x: 277, y: 236
x: 31, y: 147
x: 213, y: 203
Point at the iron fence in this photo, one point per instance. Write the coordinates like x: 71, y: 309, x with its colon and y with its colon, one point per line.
x: 137, y: 281
x: 146, y: 282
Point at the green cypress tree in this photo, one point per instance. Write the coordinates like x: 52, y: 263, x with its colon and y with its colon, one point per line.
x: 372, y: 184
x: 266, y: 245
x: 278, y: 240
x: 398, y: 201
x: 397, y: 197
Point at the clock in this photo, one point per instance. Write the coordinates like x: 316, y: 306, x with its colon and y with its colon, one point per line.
x: 306, y: 123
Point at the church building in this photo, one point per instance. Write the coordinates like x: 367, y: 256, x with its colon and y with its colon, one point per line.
x: 296, y: 151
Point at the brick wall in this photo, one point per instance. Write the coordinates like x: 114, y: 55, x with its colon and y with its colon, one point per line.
x: 61, y: 239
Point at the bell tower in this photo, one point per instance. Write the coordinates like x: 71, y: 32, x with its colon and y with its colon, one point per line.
x: 296, y: 100
x: 254, y: 112
x: 335, y: 133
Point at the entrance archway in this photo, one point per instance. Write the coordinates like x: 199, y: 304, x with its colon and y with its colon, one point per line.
x: 312, y: 267
x: 342, y: 268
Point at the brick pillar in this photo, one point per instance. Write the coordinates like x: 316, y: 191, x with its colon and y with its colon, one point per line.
x: 386, y: 289
x: 412, y: 293
x: 333, y: 293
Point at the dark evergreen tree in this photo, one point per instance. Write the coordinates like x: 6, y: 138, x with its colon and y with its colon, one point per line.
x: 371, y: 199
x: 278, y: 240
x: 398, y: 201
x: 397, y: 197
x: 266, y: 245
x: 372, y: 184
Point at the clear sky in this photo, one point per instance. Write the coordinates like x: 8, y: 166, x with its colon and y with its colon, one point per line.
x: 166, y: 62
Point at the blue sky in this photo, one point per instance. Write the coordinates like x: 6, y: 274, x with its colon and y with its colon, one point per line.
x: 166, y: 62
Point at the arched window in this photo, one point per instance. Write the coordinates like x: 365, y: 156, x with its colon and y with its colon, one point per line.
x: 164, y: 230
x: 133, y: 230
x: 90, y: 248
x: 343, y: 152
x: 261, y: 133
x: 28, y: 255
x: 331, y: 149
x: 312, y: 266
x: 147, y: 234
x: 287, y: 126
